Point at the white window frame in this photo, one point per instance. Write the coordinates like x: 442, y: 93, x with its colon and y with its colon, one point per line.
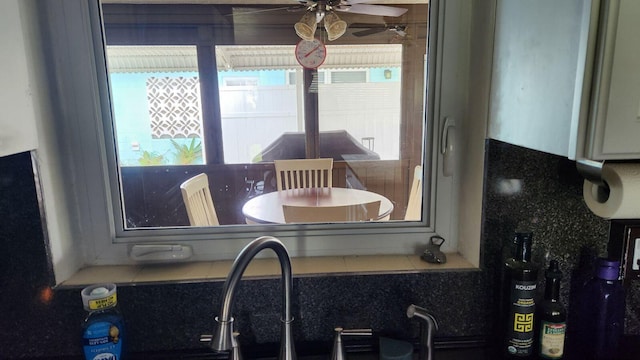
x: 83, y: 218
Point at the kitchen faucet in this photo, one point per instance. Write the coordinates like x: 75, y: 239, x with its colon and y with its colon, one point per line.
x: 223, y: 340
x: 428, y: 327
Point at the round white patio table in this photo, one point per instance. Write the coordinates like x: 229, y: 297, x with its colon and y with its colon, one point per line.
x: 267, y: 208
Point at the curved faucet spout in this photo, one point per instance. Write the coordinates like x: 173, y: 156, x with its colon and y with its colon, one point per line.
x: 427, y: 330
x: 224, y: 332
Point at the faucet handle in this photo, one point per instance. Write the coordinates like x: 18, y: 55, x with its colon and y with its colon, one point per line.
x: 357, y: 332
x: 206, y: 338
x: 338, y: 348
x: 235, y: 347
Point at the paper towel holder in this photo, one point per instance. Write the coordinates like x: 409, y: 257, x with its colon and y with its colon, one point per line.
x: 591, y: 170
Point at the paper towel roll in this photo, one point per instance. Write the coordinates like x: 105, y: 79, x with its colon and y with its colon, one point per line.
x: 620, y: 199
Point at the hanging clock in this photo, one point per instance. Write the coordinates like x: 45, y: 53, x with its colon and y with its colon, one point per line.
x: 311, y: 53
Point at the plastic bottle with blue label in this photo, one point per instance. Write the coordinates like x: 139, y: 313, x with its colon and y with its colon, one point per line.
x: 103, y: 328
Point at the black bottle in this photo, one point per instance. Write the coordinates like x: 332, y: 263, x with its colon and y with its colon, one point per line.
x: 520, y: 282
x: 551, y: 317
x: 508, y: 252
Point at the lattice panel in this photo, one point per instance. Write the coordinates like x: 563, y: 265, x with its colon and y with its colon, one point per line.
x: 174, y: 107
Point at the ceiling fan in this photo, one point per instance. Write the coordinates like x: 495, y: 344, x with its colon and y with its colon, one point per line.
x: 317, y: 11
x: 324, y: 11
x: 356, y: 7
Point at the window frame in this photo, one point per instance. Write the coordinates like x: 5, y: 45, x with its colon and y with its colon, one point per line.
x: 129, y: 32
x: 77, y: 44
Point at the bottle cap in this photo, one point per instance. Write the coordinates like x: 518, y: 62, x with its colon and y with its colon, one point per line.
x: 553, y: 272
x: 608, y: 269
x: 99, y: 297
x: 523, y: 246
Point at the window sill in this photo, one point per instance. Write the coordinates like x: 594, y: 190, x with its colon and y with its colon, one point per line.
x: 260, y: 268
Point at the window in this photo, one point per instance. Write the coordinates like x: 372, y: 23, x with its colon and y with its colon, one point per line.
x: 106, y: 217
x: 258, y: 107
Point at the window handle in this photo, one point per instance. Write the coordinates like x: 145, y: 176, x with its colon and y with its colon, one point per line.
x: 447, y: 146
x: 160, y: 252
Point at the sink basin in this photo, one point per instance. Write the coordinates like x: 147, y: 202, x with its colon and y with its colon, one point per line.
x: 449, y: 349
x: 460, y: 354
x: 439, y: 354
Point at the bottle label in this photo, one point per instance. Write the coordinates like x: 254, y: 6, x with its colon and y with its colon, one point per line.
x: 520, y: 332
x: 103, y: 303
x: 552, y: 339
x: 102, y: 341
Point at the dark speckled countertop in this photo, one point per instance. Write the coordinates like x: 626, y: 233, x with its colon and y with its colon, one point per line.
x: 169, y: 318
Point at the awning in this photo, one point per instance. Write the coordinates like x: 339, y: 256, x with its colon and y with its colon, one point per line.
x: 131, y: 59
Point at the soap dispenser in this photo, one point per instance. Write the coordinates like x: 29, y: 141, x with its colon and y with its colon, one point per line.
x: 103, y: 328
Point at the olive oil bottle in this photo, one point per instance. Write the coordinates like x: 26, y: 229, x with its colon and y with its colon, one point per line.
x: 551, y: 317
x: 520, y: 283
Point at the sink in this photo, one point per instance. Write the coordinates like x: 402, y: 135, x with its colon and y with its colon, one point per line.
x: 460, y: 354
x: 439, y: 354
x: 445, y: 349
x: 474, y: 353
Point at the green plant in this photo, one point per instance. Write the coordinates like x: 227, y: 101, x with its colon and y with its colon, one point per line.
x: 187, y: 154
x: 149, y: 158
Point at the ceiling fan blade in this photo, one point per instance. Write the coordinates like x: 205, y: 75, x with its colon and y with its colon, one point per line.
x: 352, y: 2
x: 368, y: 9
x: 368, y: 32
x: 401, y: 33
x: 251, y: 11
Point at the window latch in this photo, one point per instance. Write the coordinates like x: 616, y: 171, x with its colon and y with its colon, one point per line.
x: 447, y: 146
x: 160, y: 252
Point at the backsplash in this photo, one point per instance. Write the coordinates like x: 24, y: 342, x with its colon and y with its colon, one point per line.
x: 524, y: 188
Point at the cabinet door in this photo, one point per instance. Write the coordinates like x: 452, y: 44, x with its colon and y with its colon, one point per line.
x: 615, y: 113
x: 538, y: 64
x: 17, y: 122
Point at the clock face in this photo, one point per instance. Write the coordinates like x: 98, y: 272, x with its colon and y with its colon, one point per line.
x: 311, y: 54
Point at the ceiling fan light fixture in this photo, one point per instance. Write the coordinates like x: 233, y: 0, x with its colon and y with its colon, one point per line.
x: 306, y: 27
x: 334, y: 25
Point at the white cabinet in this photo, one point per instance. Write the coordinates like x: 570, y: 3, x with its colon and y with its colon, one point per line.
x: 538, y: 64
x: 566, y: 77
x: 614, y: 114
x: 17, y: 121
